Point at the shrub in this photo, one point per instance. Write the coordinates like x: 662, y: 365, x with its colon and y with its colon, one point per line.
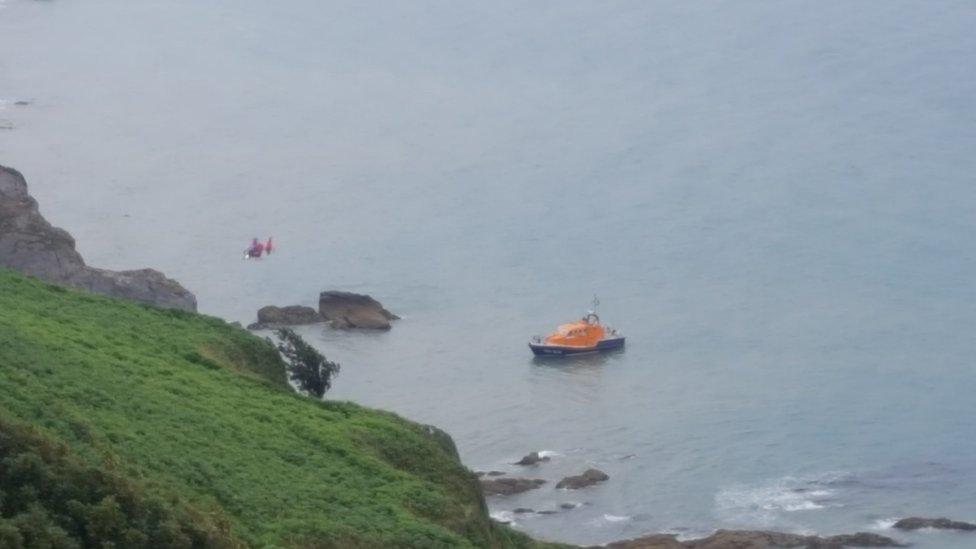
x: 311, y: 371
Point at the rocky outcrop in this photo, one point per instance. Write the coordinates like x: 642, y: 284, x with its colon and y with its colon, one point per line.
x: 509, y: 486
x: 916, y: 523
x: 31, y: 245
x: 588, y: 478
x: 271, y: 317
x: 532, y: 459
x: 143, y: 285
x: 346, y: 310
x: 748, y: 539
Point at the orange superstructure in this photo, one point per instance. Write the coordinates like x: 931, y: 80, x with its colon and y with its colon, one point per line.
x: 576, y: 334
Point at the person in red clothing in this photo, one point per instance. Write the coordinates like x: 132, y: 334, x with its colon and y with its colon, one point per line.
x: 255, y: 251
x: 258, y: 248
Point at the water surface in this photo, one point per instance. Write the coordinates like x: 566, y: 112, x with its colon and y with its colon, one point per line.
x: 774, y: 201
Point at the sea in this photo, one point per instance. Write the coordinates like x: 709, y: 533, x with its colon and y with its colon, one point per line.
x: 774, y: 201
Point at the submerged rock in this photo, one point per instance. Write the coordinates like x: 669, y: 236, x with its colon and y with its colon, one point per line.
x: 346, y: 310
x: 916, y: 523
x: 749, y: 539
x: 279, y: 317
x: 509, y: 486
x: 532, y: 459
x: 588, y: 478
x: 480, y: 474
x: 31, y: 245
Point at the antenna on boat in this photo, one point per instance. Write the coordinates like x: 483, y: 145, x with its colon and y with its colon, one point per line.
x: 596, y: 302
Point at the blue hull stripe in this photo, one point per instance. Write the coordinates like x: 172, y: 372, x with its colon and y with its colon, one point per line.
x: 558, y: 350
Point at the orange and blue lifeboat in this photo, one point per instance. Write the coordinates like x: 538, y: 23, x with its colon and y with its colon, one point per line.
x: 587, y: 335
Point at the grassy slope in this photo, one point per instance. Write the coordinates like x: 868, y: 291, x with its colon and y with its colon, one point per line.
x: 193, y: 410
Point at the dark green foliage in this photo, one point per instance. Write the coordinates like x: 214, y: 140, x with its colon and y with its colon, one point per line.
x: 153, y: 428
x: 306, y: 366
x: 54, y: 500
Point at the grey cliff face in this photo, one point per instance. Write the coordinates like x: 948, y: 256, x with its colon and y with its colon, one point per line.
x: 31, y: 245
x: 28, y: 243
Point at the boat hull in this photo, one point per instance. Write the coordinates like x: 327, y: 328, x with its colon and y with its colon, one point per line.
x: 609, y: 344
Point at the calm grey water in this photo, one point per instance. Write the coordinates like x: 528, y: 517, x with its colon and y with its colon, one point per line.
x: 774, y: 201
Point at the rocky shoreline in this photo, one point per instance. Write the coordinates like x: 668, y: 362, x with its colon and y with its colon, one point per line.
x: 763, y: 539
x: 498, y: 484
x: 31, y: 245
x: 757, y: 539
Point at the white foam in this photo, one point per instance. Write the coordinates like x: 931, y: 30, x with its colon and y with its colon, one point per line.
x: 549, y: 454
x: 884, y: 524
x: 765, y: 502
x: 802, y: 506
x: 688, y: 534
x: 615, y: 518
x: 506, y: 517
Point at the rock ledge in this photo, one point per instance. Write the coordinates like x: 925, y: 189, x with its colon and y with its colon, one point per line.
x: 588, y: 478
x: 31, y: 245
x: 271, y: 317
x: 751, y: 539
x: 916, y: 523
x: 346, y: 310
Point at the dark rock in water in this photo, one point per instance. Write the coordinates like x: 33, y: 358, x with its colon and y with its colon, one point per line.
x: 531, y: 459
x: 545, y: 512
x: 509, y: 486
x: 860, y: 539
x: 915, y: 523
x: 21, y: 103
x: 489, y: 473
x: 31, y: 245
x: 747, y: 539
x: 346, y: 310
x: 588, y: 478
x: 279, y: 317
x: 569, y: 505
x: 523, y: 511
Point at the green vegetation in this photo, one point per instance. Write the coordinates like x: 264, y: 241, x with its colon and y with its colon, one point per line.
x: 307, y: 368
x: 124, y: 425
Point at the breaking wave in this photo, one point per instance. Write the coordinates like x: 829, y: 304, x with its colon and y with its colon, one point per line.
x: 765, y: 502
